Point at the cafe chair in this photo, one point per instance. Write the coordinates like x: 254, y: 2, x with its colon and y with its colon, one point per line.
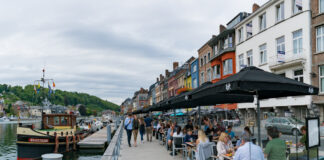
x: 160, y: 138
x: 204, y: 151
x: 177, y: 145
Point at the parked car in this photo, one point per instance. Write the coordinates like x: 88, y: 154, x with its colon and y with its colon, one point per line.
x: 285, y: 124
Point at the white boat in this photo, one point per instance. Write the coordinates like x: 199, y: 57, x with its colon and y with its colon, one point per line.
x: 4, y: 119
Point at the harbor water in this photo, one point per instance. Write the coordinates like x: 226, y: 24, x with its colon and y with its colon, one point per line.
x: 8, y: 148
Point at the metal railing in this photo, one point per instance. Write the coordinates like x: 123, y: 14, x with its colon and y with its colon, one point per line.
x: 113, y: 150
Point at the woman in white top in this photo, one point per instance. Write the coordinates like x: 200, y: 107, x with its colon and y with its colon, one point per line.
x: 224, y: 145
x: 178, y: 133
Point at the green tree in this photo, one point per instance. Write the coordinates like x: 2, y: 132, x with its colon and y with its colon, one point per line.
x: 82, y: 110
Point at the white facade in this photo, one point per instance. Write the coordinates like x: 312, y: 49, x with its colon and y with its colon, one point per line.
x: 266, y: 40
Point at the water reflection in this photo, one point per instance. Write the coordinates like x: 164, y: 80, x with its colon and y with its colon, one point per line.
x: 8, y: 148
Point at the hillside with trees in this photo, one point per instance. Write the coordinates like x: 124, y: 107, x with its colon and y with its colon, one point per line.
x: 11, y: 94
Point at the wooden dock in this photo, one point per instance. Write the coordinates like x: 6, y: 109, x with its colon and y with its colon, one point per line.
x: 96, y: 140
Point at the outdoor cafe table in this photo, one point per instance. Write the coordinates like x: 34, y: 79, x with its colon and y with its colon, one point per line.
x: 227, y: 157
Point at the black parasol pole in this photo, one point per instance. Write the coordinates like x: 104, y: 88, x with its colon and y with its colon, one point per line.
x: 258, y: 118
x: 199, y: 118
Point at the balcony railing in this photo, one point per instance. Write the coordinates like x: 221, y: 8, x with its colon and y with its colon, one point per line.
x: 287, y: 59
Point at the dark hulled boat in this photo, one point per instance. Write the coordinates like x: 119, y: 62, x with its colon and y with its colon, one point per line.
x: 58, y: 134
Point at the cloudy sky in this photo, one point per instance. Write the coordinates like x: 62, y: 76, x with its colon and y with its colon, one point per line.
x: 108, y: 48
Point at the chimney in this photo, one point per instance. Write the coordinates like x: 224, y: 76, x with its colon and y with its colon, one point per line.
x: 157, y: 79
x: 175, y: 65
x: 221, y: 28
x: 167, y: 73
x: 161, y: 77
x: 255, y: 7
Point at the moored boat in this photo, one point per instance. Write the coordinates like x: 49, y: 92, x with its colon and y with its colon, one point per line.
x: 58, y: 134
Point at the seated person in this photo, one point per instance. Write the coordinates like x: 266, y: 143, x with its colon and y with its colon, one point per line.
x: 188, y: 137
x: 230, y: 132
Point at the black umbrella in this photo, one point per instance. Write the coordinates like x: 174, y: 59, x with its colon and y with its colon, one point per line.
x: 206, y: 95
x: 262, y: 84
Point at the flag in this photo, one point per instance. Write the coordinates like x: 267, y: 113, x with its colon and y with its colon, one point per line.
x: 38, y: 86
x: 35, y: 89
x: 53, y: 84
x: 49, y: 90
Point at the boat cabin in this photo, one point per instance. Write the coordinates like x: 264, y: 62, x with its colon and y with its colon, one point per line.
x: 58, y: 121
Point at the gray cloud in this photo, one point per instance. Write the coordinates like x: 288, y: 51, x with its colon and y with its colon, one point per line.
x: 105, y: 48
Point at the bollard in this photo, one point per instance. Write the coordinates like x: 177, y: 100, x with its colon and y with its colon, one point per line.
x: 108, y: 134
x: 52, y: 156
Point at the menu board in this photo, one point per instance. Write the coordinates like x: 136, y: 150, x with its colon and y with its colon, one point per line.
x: 313, y: 132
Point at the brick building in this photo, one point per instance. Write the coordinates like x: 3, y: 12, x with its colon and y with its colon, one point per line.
x: 204, y: 57
x: 317, y: 39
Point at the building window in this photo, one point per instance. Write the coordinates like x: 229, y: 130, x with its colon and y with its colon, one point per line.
x: 249, y: 58
x: 215, y: 49
x: 202, y: 77
x: 201, y: 62
x: 194, y: 68
x: 321, y: 78
x: 297, y: 42
x: 227, y: 67
x: 280, y: 48
x: 320, y: 39
x: 216, y: 72
x: 209, y: 74
x: 205, y: 59
x: 282, y: 74
x: 263, y: 23
x: 240, y: 34
x: 225, y: 43
x: 263, y: 54
x: 297, y: 6
x: 230, y: 41
x: 241, y: 61
x: 280, y: 10
x: 249, y: 30
x: 321, y: 6
x: 194, y: 83
x: 208, y: 56
x: 298, y: 75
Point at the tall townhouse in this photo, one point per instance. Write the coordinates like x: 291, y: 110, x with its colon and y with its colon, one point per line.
x: 317, y: 34
x: 172, y: 81
x: 194, y: 72
x: 223, y: 60
x: 182, y: 76
x: 164, y: 86
x: 204, y: 57
x: 158, y: 94
x: 276, y: 38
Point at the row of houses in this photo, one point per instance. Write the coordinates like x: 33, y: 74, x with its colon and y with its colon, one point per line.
x: 25, y: 110
x: 285, y: 37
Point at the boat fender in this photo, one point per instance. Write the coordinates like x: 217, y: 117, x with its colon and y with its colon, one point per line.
x: 67, y: 143
x: 74, y: 143
x: 56, y: 144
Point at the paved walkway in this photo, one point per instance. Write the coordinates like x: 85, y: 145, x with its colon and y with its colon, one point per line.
x: 147, y: 151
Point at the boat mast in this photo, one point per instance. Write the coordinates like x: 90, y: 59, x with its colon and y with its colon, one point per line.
x: 43, y: 80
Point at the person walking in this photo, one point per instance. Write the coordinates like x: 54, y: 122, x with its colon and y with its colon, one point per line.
x: 129, y: 127
x: 142, y: 128
x: 276, y: 148
x: 148, y: 124
x: 135, y: 129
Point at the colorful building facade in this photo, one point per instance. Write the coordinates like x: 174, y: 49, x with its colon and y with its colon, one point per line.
x: 194, y: 73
